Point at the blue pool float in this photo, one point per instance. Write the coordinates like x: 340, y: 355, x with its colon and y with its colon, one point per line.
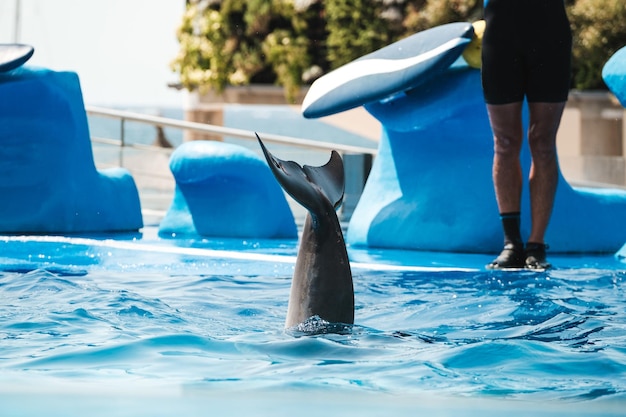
x: 14, y: 55
x: 225, y: 190
x: 48, y: 179
x: 614, y: 75
x: 430, y: 187
x: 403, y: 64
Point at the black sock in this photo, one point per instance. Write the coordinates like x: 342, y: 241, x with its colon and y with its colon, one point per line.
x: 511, y: 226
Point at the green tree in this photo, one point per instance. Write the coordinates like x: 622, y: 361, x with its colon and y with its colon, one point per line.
x: 236, y: 42
x: 424, y: 14
x: 203, y: 60
x: 599, y: 30
x: 292, y: 42
x: 286, y: 46
x: 355, y: 28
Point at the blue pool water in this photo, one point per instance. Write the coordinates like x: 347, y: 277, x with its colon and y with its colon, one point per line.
x: 144, y: 326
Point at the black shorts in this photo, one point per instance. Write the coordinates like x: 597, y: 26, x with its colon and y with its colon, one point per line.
x: 526, y: 51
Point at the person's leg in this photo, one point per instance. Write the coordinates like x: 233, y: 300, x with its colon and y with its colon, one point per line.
x: 544, y: 174
x: 544, y: 171
x: 506, y: 124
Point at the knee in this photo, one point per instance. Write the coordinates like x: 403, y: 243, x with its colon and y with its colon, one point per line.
x: 504, y: 146
x: 542, y: 148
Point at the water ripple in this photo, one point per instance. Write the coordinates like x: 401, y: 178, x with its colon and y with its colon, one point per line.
x: 556, y: 335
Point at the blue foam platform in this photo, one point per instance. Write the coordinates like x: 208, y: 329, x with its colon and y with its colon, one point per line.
x: 430, y: 187
x: 225, y: 190
x: 48, y: 179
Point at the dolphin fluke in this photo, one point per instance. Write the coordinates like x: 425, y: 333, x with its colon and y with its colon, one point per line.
x: 304, y: 183
x: 322, y: 281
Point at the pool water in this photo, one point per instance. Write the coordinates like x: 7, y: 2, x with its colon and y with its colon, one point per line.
x: 139, y: 325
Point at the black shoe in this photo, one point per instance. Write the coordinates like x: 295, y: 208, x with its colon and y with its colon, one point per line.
x: 512, y: 256
x: 536, y: 256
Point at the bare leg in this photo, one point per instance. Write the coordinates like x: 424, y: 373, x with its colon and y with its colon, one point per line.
x: 544, y: 172
x: 506, y: 123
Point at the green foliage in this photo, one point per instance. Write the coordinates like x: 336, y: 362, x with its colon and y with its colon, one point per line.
x: 236, y: 42
x: 291, y: 42
x: 425, y: 14
x: 289, y: 59
x: 203, y: 59
x: 355, y: 28
x: 599, y: 30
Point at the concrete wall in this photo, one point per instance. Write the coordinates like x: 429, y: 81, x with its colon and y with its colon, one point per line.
x: 207, y: 107
x: 592, y: 139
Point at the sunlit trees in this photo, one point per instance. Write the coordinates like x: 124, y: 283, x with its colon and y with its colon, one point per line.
x: 293, y: 42
x: 599, y: 30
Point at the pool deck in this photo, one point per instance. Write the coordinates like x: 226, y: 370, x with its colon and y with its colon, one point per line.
x: 153, y: 252
x: 140, y: 401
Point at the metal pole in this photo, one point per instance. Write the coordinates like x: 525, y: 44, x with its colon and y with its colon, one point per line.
x: 16, y: 33
x: 122, y: 142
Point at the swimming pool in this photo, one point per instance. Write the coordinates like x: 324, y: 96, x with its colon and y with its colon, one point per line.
x: 137, y: 325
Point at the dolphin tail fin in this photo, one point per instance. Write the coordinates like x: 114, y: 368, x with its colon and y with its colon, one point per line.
x: 306, y: 183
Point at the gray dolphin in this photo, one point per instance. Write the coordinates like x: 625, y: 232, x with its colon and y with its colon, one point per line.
x: 322, y: 280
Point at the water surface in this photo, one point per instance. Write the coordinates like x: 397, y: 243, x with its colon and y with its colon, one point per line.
x: 193, y: 318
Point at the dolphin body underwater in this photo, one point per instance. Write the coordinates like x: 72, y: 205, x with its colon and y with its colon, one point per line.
x: 322, y: 281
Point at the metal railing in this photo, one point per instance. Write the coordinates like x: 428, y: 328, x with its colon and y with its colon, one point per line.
x: 124, y: 116
x: 357, y: 159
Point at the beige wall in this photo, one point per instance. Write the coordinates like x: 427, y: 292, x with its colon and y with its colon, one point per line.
x: 592, y: 139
